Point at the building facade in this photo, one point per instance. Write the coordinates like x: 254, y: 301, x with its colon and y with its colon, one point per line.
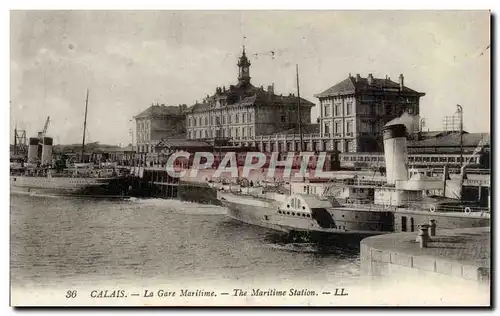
x: 354, y: 111
x: 242, y: 112
x: 156, y: 123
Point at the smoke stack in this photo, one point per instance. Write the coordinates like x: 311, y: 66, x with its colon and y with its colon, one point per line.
x: 370, y: 79
x: 395, y: 153
x: 401, y: 82
x: 33, y: 149
x: 47, y: 150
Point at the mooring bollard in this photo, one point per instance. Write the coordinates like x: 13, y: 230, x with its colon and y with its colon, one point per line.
x: 432, y: 225
x: 423, y: 235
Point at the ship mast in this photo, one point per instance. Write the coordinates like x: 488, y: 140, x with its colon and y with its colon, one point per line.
x: 85, y: 123
x: 460, y: 110
x: 298, y: 109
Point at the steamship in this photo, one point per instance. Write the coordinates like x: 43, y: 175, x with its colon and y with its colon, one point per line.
x: 360, y: 208
x: 39, y: 173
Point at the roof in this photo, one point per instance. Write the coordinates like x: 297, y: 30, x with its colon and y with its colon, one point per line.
x: 182, y: 143
x: 247, y: 95
x: 305, y: 129
x: 119, y: 149
x: 453, y: 140
x: 159, y: 111
x: 353, y: 85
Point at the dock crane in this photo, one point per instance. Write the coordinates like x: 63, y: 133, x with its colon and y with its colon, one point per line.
x: 45, y: 127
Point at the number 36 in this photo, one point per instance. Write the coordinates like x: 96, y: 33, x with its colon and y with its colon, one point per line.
x: 71, y: 294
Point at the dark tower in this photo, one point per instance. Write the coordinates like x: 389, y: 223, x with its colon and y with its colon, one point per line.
x: 244, y: 69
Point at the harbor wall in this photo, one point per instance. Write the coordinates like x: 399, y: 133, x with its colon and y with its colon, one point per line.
x: 408, y: 221
x: 457, y: 255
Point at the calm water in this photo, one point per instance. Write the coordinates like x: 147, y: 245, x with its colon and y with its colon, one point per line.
x: 61, y: 241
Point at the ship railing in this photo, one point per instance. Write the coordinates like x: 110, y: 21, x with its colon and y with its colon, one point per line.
x: 417, y: 206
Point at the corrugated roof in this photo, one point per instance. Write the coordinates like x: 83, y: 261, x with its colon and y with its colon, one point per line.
x: 352, y: 85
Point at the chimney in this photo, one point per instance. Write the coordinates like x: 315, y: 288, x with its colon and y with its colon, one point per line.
x: 401, y: 82
x: 358, y: 77
x: 395, y: 153
x: 270, y: 89
x: 370, y: 79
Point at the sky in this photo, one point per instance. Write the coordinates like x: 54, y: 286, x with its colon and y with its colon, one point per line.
x: 131, y: 59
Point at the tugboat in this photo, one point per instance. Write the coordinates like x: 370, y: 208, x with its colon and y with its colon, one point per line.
x: 43, y: 175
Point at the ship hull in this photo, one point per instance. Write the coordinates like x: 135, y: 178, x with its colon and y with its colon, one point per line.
x: 264, y: 214
x: 65, y: 186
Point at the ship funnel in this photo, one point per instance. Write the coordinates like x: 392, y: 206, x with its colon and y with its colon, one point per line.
x: 33, y: 149
x: 395, y: 153
x: 47, y: 150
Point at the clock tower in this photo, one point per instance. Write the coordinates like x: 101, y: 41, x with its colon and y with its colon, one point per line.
x: 244, y: 69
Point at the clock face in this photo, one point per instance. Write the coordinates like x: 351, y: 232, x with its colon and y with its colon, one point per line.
x: 245, y: 69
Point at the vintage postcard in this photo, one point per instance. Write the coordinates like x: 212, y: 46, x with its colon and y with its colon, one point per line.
x: 250, y: 158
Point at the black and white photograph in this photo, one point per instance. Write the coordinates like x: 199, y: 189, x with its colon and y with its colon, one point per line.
x: 250, y: 158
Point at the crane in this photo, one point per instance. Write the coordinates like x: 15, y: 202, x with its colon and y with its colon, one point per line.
x: 46, y: 126
x: 44, y: 131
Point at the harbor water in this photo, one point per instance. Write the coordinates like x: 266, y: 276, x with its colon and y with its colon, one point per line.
x: 75, y: 242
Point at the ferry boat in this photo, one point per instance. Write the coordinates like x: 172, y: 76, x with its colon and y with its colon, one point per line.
x: 40, y: 175
x: 352, y: 206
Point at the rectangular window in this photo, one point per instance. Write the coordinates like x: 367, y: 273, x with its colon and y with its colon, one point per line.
x: 243, y: 132
x: 250, y: 117
x: 237, y: 118
x: 206, y: 121
x: 337, y: 128
x: 283, y: 118
x: 349, y: 127
x: 327, y: 129
x: 229, y: 119
x: 350, y: 147
x: 338, y: 146
x: 348, y: 109
x: 250, y: 131
x: 243, y: 118
x: 237, y: 131
x: 338, y: 109
x: 224, y: 119
x: 327, y: 110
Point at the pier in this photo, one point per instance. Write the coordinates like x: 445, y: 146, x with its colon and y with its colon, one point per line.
x: 450, y: 254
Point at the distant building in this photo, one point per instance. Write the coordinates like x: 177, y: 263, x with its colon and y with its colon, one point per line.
x: 243, y: 111
x: 156, y: 123
x: 354, y: 111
